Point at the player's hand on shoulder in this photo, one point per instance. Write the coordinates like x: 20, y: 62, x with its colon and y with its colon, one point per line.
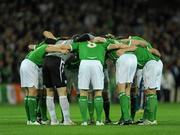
x: 65, y: 51
x: 99, y: 39
x: 31, y: 47
x: 120, y: 52
x: 133, y: 48
x: 48, y: 34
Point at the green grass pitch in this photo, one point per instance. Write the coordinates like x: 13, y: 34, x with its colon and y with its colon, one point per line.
x: 13, y: 122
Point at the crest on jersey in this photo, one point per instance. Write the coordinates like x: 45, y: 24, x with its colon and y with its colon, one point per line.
x: 91, y: 45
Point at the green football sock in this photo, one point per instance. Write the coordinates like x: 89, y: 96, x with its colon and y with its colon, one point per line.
x: 43, y: 108
x: 122, y: 116
x: 133, y: 106
x: 32, y: 103
x: 91, y: 108
x: 38, y: 107
x: 129, y: 102
x: 124, y: 103
x: 83, y: 105
x: 27, y: 107
x: 145, y: 114
x: 155, y: 111
x: 151, y: 106
x: 98, y: 102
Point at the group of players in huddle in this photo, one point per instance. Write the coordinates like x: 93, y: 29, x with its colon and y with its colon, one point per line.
x: 44, y: 68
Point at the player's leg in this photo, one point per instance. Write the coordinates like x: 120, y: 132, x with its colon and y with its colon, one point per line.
x: 134, y: 94
x: 64, y: 104
x: 47, y: 81
x: 69, y: 84
x: 27, y: 106
x: 59, y: 80
x: 151, y: 75
x: 106, y: 106
x: 91, y: 106
x: 41, y: 100
x: 51, y: 106
x: 83, y: 105
x: 125, y: 71
x: 124, y: 103
x: 121, y: 80
x: 97, y: 80
x: 105, y: 95
x: 128, y: 92
x: 83, y: 85
x: 158, y: 81
x: 38, y: 107
x: 32, y: 103
x: 29, y: 80
x: 151, y: 103
x: 140, y: 92
x: 134, y: 102
x: 131, y: 74
x: 24, y: 84
x: 98, y: 103
x: 42, y: 107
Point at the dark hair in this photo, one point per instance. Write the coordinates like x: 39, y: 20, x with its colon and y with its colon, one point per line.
x: 50, y: 41
x: 84, y: 37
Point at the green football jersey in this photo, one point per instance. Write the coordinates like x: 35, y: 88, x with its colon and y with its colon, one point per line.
x: 149, y: 46
x: 91, y: 51
x: 112, y: 53
x: 39, y: 44
x: 142, y: 54
x: 37, y: 55
x: 36, y: 46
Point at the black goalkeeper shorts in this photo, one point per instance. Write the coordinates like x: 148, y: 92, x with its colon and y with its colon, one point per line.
x: 53, y: 72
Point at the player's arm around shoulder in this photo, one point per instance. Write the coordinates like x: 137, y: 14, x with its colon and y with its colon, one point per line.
x: 31, y: 47
x: 119, y: 52
x: 142, y: 43
x: 49, y: 34
x: 119, y: 45
x: 98, y: 39
x: 57, y: 48
x: 155, y: 52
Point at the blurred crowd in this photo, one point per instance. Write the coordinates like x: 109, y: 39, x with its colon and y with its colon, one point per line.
x: 23, y: 21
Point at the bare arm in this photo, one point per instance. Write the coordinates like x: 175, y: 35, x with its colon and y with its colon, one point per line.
x: 31, y: 46
x: 117, y: 46
x: 122, y: 51
x: 56, y: 48
x: 98, y: 39
x: 139, y: 42
x: 48, y: 34
x: 136, y: 42
x: 155, y: 52
x: 64, y: 46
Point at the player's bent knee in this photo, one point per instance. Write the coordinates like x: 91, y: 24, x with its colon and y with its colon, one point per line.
x: 121, y: 87
x: 50, y: 92
x: 32, y: 91
x: 150, y: 91
x: 98, y: 93
x: 62, y: 91
x: 83, y: 93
